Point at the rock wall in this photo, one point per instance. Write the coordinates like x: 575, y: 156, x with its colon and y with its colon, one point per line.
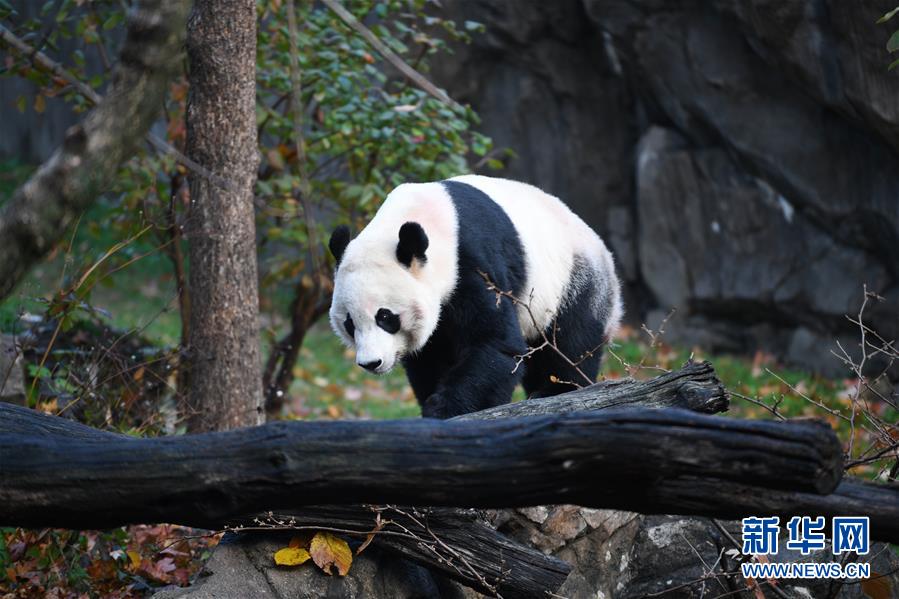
x: 740, y: 156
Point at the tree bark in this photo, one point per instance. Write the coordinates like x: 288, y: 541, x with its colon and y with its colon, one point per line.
x: 694, y: 387
x: 223, y: 353
x: 36, y: 217
x: 582, y: 458
x: 851, y: 498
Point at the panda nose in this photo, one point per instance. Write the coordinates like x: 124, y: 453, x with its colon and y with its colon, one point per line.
x: 370, y: 366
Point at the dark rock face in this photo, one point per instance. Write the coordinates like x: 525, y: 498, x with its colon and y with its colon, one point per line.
x: 741, y: 157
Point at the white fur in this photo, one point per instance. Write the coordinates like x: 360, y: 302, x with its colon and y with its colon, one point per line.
x: 370, y: 277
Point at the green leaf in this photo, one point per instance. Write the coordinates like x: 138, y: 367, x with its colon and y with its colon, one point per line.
x: 888, y: 16
x: 893, y: 65
x: 893, y: 43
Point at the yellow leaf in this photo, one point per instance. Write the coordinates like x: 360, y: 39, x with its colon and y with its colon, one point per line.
x: 40, y: 104
x: 48, y: 407
x: 134, y: 557
x: 291, y: 556
x: 330, y: 551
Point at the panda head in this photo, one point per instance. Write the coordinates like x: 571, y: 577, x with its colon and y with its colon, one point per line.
x: 384, y: 304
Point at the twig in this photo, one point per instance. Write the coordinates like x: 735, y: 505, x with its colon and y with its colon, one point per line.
x: 453, y: 552
x: 500, y: 293
x: 656, y: 336
x: 759, y: 402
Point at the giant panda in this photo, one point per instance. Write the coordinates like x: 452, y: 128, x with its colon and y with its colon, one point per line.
x: 412, y: 287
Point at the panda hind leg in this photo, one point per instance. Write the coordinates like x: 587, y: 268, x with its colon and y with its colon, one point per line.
x: 579, y: 335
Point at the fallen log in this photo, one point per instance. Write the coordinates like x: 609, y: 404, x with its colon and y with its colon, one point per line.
x: 879, y: 502
x: 585, y: 458
x: 693, y: 387
x: 491, y: 563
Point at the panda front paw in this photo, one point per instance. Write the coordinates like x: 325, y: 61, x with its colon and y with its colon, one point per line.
x: 434, y: 407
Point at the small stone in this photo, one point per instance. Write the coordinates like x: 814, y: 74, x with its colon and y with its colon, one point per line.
x: 537, y: 514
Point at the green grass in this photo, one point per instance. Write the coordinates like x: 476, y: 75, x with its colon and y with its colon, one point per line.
x: 329, y: 384
x: 139, y: 296
x: 759, y: 377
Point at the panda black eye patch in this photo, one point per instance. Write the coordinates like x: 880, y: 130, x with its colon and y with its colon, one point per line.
x: 349, y: 326
x: 388, y: 321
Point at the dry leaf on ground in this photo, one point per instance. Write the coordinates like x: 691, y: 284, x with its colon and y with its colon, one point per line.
x: 330, y: 551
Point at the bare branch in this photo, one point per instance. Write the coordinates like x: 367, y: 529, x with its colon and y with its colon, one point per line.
x: 391, y: 56
x: 547, y: 342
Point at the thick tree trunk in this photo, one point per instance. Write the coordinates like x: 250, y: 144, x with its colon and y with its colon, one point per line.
x: 223, y: 351
x: 36, y: 216
x: 626, y: 459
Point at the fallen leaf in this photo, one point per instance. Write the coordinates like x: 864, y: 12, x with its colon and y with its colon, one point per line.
x: 877, y: 587
x: 330, y: 551
x: 301, y: 540
x: 102, y: 570
x: 379, y: 524
x: 291, y: 556
x: 134, y: 556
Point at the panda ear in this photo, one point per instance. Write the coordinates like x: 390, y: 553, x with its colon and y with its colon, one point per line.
x: 412, y: 244
x: 340, y: 238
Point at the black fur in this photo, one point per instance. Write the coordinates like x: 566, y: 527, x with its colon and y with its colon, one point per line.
x: 340, y: 238
x: 467, y: 364
x: 388, y: 321
x: 413, y: 243
x: 578, y: 334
